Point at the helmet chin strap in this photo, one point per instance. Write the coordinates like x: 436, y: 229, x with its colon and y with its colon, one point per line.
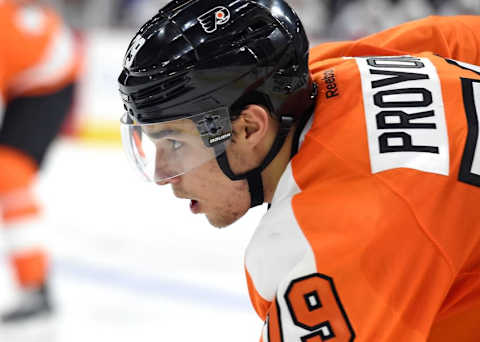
x: 254, y: 177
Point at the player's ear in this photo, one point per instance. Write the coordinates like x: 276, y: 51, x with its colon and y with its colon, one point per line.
x: 251, y: 127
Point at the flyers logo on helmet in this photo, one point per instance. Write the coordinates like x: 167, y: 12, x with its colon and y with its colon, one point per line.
x: 212, y: 19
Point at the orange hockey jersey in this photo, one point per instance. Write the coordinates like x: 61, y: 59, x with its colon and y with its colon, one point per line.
x: 374, y: 229
x: 38, y: 53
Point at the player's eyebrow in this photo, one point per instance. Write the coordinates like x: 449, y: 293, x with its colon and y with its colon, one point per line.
x: 162, y: 133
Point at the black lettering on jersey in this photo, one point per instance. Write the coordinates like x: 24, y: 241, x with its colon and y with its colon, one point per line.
x: 468, y: 172
x: 468, y: 67
x: 407, y: 94
x: 330, y: 84
x: 405, y: 103
x: 396, y: 62
x: 402, y: 142
x: 398, y: 77
x: 403, y: 120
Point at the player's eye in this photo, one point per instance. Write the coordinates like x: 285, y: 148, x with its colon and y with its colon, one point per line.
x: 175, y: 144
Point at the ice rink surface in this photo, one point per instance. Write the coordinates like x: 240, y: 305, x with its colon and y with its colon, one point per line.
x: 129, y: 261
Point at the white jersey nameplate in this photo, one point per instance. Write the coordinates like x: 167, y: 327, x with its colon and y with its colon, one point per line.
x: 405, y: 114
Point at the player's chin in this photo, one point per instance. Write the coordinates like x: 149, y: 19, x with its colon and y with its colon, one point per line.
x: 222, y: 220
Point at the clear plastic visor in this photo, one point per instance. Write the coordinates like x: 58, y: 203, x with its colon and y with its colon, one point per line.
x: 161, y: 151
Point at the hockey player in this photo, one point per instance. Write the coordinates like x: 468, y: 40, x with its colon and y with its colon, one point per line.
x: 38, y: 66
x: 367, y: 153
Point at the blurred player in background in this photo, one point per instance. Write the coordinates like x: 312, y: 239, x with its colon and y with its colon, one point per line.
x: 370, y: 164
x: 38, y: 68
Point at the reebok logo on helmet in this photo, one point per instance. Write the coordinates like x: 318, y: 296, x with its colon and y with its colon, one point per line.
x: 216, y: 16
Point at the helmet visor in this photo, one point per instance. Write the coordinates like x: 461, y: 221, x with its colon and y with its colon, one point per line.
x: 164, y: 150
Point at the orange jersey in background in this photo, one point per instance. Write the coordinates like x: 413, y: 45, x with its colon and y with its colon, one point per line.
x: 38, y: 53
x: 374, y: 229
x: 38, y: 60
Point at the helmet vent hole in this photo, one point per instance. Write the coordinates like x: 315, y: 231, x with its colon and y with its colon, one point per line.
x: 163, y: 87
x: 257, y: 29
x: 257, y: 26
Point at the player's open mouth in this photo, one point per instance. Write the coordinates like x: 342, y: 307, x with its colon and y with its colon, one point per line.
x: 194, y: 206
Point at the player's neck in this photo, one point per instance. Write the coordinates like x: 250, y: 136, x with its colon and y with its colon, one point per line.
x: 272, y: 174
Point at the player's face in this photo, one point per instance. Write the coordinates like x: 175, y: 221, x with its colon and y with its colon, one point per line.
x: 212, y: 193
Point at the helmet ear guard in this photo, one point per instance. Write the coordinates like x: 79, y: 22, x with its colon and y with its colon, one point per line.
x: 214, y: 127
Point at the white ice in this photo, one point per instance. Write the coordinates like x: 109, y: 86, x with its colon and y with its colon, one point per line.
x: 129, y: 261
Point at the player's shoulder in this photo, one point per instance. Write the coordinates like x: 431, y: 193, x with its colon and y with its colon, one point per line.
x: 325, y: 189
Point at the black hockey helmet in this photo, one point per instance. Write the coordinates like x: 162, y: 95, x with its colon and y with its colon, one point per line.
x: 196, y: 56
